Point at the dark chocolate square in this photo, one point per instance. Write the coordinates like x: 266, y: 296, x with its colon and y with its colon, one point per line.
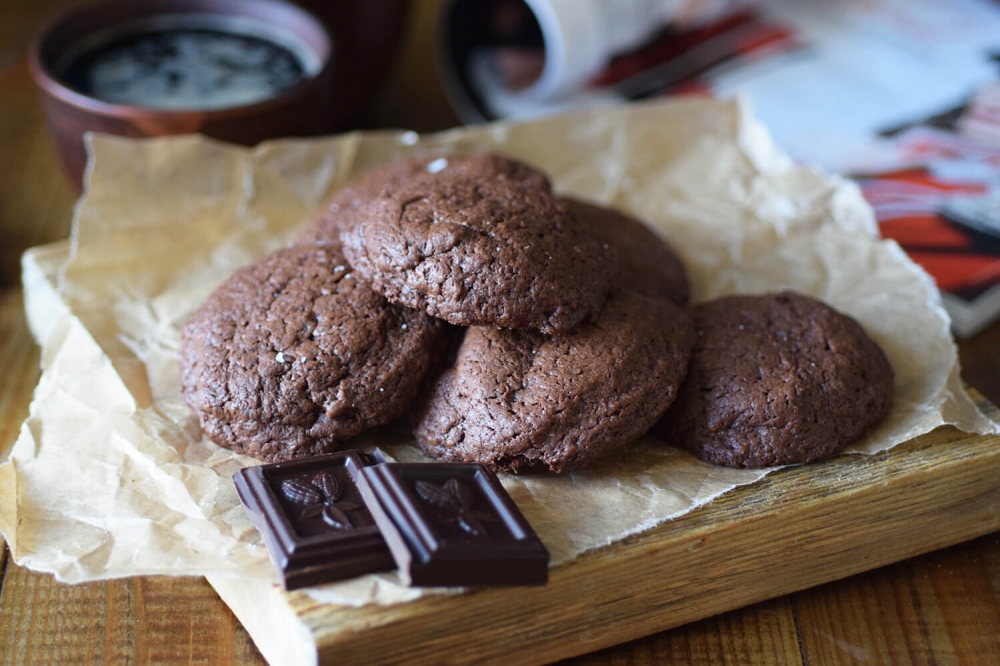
x: 313, y: 518
x: 452, y: 524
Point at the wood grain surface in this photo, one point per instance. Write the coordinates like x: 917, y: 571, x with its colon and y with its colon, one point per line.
x: 940, y: 608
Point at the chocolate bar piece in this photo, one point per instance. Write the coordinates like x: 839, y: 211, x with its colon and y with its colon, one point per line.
x: 314, y: 521
x: 452, y: 524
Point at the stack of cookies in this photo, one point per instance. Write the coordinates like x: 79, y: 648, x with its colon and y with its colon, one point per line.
x: 518, y: 329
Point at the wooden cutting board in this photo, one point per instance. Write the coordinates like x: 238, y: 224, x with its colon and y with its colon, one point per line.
x: 797, y: 528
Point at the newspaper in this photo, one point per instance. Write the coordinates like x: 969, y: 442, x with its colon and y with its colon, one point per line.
x: 826, y: 76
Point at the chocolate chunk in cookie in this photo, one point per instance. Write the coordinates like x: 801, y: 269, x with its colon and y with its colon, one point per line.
x: 520, y: 399
x: 477, y: 251
x: 777, y: 379
x: 340, y: 211
x: 292, y: 355
x: 646, y: 263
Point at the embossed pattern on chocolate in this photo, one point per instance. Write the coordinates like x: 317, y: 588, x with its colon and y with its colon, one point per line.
x: 321, y: 497
x: 455, y: 502
x: 452, y: 524
x: 314, y: 521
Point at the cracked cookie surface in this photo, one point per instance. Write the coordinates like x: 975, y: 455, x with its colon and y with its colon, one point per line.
x: 520, y: 399
x: 292, y: 355
x: 481, y: 251
x: 777, y: 379
x: 340, y: 211
x: 646, y: 263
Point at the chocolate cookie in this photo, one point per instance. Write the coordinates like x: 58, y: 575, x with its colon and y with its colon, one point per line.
x: 646, y: 263
x: 777, y: 379
x: 340, y: 211
x: 292, y: 355
x: 477, y: 251
x: 519, y: 399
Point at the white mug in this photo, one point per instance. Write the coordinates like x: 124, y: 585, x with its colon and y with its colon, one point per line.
x: 581, y: 36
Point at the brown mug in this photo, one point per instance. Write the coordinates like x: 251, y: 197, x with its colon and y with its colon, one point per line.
x: 306, y: 109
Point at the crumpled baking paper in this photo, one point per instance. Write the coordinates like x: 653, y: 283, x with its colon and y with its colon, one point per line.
x: 111, y: 475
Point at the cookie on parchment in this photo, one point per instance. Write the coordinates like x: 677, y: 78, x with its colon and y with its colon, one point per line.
x: 777, y: 379
x: 646, y: 263
x: 481, y: 251
x: 520, y: 399
x: 292, y: 355
x: 340, y: 211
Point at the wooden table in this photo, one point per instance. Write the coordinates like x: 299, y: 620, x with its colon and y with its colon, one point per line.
x: 939, y: 608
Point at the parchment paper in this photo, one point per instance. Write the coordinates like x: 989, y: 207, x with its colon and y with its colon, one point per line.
x: 111, y: 476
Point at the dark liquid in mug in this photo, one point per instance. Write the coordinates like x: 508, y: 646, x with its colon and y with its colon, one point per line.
x: 186, y: 69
